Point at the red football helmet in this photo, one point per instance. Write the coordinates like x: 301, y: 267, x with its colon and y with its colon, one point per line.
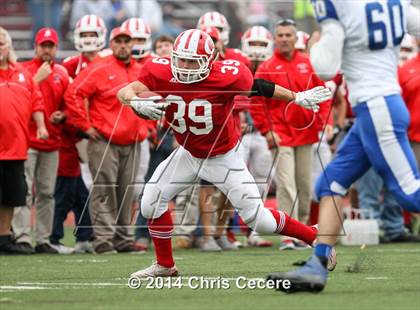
x: 90, y: 23
x: 193, y: 55
x: 257, y: 43
x: 139, y: 30
x: 217, y: 20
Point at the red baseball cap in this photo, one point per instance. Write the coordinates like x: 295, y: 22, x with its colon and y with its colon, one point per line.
x: 119, y: 31
x: 212, y: 31
x: 46, y: 35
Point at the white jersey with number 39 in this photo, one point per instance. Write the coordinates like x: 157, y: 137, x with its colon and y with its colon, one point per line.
x: 373, y: 33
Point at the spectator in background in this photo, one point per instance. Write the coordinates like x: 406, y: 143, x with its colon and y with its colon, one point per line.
x: 101, y: 8
x: 163, y: 45
x: 149, y: 11
x: 21, y: 99
x: 45, y: 13
x: 114, y: 132
x: 257, y: 13
x: 42, y: 163
x: 303, y: 13
x: 290, y: 131
x: 170, y: 25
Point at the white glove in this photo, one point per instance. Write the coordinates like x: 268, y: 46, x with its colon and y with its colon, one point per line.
x: 148, y: 108
x: 309, y: 99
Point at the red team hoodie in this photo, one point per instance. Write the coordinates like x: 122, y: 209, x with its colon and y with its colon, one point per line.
x: 20, y: 97
x: 291, y: 122
x: 52, y: 89
x: 409, y: 76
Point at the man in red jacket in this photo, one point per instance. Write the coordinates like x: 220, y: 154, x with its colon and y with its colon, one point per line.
x: 21, y: 98
x: 42, y: 163
x: 114, y: 132
x: 409, y: 76
x: 290, y: 130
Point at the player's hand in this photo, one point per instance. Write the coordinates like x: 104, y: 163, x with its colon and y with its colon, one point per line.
x: 42, y: 133
x: 309, y: 99
x: 148, y: 108
x: 329, y: 132
x: 43, y: 72
x: 93, y: 133
x: 57, y: 117
x: 273, y: 139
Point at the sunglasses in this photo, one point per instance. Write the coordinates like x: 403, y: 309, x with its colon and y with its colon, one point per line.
x: 286, y: 22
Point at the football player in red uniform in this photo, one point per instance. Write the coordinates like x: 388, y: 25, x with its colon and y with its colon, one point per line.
x: 142, y: 39
x: 71, y: 192
x: 257, y: 45
x: 89, y: 39
x: 199, y: 94
x: 215, y: 19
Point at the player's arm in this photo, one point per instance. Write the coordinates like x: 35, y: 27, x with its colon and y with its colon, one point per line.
x: 308, y: 99
x: 146, y: 108
x: 129, y: 92
x: 413, y: 21
x: 326, y: 54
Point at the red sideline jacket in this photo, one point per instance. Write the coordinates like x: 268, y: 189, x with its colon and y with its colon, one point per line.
x: 409, y: 76
x: 100, y: 84
x: 20, y: 97
x: 295, y: 125
x: 52, y: 89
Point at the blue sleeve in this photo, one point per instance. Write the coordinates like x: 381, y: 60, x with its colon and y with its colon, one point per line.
x: 324, y: 9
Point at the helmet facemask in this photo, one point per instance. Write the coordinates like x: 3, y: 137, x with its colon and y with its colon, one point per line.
x: 140, y: 50
x: 260, y: 52
x: 189, y: 75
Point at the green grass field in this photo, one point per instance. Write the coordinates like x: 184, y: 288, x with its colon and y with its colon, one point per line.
x: 388, y: 278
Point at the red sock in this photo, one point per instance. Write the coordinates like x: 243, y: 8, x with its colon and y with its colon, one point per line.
x: 160, y: 230
x: 290, y: 227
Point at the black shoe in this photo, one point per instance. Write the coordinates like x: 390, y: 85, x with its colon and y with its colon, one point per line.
x: 405, y: 237
x: 105, y: 248
x: 25, y: 246
x: 9, y: 246
x: 45, y: 248
x: 129, y: 248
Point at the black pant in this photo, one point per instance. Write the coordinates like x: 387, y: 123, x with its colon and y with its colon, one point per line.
x: 71, y: 195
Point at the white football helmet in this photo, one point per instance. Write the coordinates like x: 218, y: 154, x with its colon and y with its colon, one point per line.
x: 90, y: 23
x: 217, y: 20
x: 139, y: 30
x: 196, y: 48
x: 257, y: 43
